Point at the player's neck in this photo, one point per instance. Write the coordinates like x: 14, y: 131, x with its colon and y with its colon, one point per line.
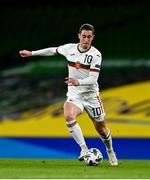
x: 82, y: 49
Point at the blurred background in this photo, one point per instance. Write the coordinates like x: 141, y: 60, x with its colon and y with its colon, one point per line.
x: 32, y: 90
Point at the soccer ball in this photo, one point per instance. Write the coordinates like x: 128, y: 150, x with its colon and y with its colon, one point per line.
x: 93, y: 157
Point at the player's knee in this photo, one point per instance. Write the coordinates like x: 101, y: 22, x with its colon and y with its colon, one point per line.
x: 69, y: 117
x: 101, y: 128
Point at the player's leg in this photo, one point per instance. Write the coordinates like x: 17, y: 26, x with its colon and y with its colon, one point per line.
x: 71, y: 111
x: 96, y: 113
x: 105, y: 135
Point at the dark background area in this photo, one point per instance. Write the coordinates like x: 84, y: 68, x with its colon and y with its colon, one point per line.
x: 122, y: 27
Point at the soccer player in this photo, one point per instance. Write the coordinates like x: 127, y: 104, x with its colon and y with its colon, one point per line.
x: 84, y: 63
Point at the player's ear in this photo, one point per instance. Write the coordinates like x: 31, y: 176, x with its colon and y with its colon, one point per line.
x: 79, y: 34
x: 93, y: 36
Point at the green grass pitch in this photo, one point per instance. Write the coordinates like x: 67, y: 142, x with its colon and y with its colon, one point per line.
x: 71, y: 168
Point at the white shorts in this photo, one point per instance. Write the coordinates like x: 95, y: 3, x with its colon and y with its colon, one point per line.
x: 93, y: 106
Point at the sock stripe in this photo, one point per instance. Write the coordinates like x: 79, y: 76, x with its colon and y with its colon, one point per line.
x: 71, y: 123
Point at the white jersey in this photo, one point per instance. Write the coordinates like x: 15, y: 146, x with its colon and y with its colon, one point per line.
x: 80, y: 66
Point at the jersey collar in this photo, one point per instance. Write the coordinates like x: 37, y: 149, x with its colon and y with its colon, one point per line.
x: 82, y: 51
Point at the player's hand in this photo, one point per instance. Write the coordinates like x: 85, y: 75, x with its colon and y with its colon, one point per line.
x: 72, y: 81
x: 25, y: 53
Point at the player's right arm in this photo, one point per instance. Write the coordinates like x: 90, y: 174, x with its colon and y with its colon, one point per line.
x: 43, y: 52
x: 25, y: 53
x: 62, y: 50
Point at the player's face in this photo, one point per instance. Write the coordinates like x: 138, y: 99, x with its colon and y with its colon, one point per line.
x: 86, y: 38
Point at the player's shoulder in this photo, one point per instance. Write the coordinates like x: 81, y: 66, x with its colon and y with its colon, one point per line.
x: 66, y: 48
x: 70, y: 45
x: 95, y: 51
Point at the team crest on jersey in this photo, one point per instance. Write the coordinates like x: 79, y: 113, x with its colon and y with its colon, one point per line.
x: 77, y: 65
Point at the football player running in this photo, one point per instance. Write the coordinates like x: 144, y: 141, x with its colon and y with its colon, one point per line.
x: 84, y: 63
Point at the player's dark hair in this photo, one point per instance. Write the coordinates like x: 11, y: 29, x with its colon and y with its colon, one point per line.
x: 87, y: 27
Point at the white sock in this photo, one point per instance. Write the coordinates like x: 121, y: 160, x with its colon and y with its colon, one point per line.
x: 108, y: 141
x: 76, y: 132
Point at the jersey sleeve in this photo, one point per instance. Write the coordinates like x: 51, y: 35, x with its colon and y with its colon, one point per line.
x: 63, y: 49
x: 96, y: 62
x: 45, y: 52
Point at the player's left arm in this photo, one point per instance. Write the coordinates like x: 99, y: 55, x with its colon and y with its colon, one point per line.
x: 93, y: 74
x: 94, y: 71
x: 93, y: 77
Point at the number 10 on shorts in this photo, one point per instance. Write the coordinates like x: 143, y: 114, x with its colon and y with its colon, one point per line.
x: 96, y: 111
